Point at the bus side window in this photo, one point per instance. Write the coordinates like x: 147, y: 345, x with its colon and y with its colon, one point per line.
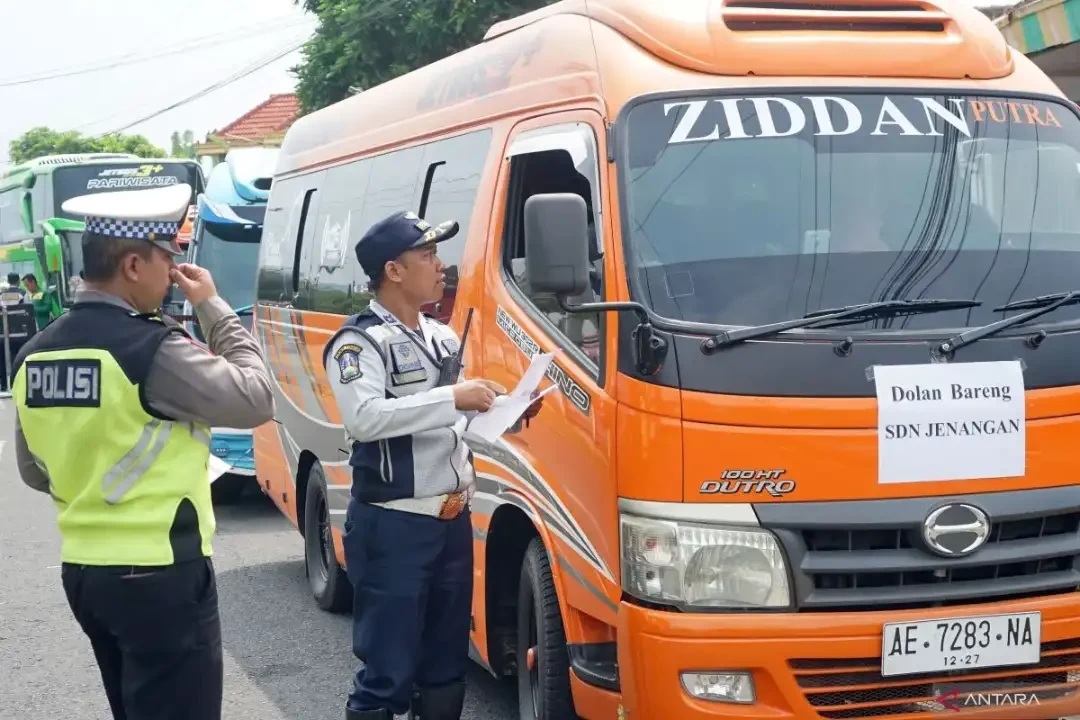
x: 550, y: 168
x: 359, y: 194
x: 455, y: 167
x: 286, y: 231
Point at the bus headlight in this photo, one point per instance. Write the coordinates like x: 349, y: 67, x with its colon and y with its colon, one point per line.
x: 682, y: 563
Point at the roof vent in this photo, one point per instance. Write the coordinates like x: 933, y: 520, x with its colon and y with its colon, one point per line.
x: 80, y: 157
x: 854, y: 16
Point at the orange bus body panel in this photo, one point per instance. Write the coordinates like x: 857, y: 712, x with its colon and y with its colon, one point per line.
x: 579, y: 61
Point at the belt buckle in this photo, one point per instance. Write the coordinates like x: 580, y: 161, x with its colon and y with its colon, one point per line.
x: 452, y: 506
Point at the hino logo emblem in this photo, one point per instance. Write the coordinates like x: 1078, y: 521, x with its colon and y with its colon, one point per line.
x: 745, y: 482
x: 956, y: 530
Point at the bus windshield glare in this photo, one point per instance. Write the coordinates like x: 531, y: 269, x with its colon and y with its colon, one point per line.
x: 753, y: 209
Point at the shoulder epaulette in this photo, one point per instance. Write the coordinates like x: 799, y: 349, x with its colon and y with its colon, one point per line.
x: 364, y: 319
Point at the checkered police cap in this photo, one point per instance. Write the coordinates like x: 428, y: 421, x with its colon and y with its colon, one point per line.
x: 154, y: 215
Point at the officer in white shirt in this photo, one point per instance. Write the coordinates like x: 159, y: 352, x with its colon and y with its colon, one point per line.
x: 408, y: 530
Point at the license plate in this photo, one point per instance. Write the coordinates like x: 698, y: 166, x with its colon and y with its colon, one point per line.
x: 965, y: 643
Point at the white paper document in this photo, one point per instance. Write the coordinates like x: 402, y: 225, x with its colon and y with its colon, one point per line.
x: 950, y: 421
x: 506, y: 410
x: 218, y: 467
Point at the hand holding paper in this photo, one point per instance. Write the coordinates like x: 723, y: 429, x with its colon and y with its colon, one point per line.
x: 507, y: 409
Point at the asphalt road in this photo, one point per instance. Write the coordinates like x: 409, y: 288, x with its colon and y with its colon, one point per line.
x: 284, y: 658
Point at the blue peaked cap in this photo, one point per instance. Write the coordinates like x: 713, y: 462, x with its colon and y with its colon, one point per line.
x: 387, y: 239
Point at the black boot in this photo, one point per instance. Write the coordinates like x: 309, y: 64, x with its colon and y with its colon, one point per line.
x: 351, y: 714
x: 441, y: 703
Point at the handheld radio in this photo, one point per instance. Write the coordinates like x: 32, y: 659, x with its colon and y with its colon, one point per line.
x: 451, y: 365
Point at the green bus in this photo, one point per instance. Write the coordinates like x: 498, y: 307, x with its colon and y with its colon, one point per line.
x: 37, y: 236
x: 53, y: 258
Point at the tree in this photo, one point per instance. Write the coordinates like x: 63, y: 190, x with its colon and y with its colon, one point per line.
x: 183, y: 146
x: 41, y: 141
x: 362, y: 43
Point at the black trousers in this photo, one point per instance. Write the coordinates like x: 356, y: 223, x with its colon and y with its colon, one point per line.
x: 156, y: 635
x: 412, y: 579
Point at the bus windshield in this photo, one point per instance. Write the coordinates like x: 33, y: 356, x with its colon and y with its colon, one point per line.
x: 746, y: 210
x: 75, y: 180
x: 230, y: 251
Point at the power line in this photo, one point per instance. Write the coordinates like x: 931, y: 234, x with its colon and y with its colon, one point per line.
x: 211, y: 88
x: 370, y: 13
x: 126, y: 60
x: 81, y: 127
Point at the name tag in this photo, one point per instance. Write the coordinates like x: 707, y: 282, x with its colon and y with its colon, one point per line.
x: 63, y: 383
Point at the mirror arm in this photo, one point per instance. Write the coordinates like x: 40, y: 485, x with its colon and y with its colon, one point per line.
x: 650, y: 349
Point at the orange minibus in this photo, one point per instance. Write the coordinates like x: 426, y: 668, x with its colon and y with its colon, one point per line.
x: 810, y: 275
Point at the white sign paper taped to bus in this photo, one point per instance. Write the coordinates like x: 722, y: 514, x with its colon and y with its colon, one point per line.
x: 950, y: 421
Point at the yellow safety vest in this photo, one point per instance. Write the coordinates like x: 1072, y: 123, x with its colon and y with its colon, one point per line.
x: 131, y: 487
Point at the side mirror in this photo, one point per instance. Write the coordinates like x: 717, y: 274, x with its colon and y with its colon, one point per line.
x: 557, y: 244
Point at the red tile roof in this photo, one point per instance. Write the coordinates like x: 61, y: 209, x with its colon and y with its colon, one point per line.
x: 273, y: 116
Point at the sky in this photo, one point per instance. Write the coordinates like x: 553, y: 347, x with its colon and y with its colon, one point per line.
x: 163, y: 51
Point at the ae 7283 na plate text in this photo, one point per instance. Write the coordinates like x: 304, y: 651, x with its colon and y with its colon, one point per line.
x: 976, y: 642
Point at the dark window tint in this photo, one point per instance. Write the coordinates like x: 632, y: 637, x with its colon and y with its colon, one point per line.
x: 361, y: 193
x: 284, y: 220
x: 748, y: 210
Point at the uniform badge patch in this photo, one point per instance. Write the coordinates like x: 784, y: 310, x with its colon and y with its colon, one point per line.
x: 348, y: 360
x: 406, y: 358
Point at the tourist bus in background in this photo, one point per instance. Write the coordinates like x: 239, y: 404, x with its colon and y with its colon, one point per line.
x: 36, y: 190
x: 32, y: 195
x: 225, y: 240
x: 807, y: 272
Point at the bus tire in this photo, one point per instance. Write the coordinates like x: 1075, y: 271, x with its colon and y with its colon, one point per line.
x: 327, y: 579
x: 543, y: 691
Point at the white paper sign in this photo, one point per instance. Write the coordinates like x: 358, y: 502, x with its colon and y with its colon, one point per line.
x: 950, y: 421
x: 217, y: 468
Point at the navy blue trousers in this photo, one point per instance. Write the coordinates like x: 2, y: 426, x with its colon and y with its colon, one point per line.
x: 412, y: 578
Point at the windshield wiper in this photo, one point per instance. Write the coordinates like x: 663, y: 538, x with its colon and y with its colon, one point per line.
x: 1042, y: 301
x: 1042, y: 305
x: 839, y: 316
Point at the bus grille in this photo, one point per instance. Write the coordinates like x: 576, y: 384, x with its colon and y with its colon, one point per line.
x: 870, y: 554
x: 850, y: 689
x: 1033, y: 554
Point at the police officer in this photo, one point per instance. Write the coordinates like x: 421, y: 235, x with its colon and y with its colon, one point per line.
x: 408, y: 530
x: 115, y: 405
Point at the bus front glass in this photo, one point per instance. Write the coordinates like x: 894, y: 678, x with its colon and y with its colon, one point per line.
x: 75, y: 180
x: 230, y: 251
x: 746, y: 210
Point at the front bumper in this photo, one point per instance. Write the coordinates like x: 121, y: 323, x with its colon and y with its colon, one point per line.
x: 827, y: 665
x: 236, y: 448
